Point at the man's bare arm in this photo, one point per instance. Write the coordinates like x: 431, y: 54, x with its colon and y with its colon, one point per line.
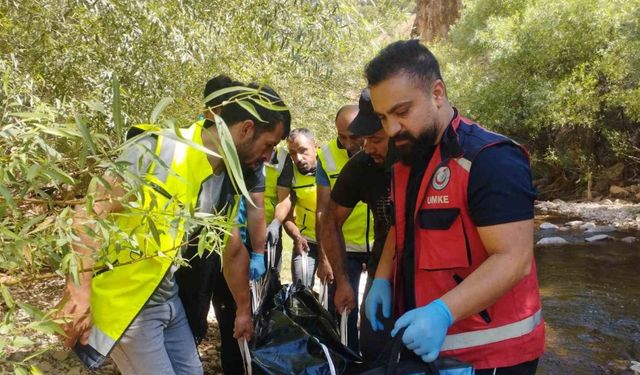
x: 256, y: 222
x: 235, y: 260
x: 335, y: 250
x: 385, y: 265
x: 333, y: 240
x: 299, y: 243
x: 323, y: 195
x: 284, y: 204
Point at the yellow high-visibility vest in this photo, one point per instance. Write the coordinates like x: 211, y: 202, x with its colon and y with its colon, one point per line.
x: 357, y: 230
x: 304, y: 186
x: 173, y: 184
x: 272, y: 172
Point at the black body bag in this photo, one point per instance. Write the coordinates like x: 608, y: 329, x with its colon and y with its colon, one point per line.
x: 294, y: 334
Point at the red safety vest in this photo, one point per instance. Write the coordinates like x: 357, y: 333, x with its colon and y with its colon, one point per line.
x: 448, y: 249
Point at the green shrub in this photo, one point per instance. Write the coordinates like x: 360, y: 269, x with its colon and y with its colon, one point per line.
x: 559, y: 76
x: 63, y: 113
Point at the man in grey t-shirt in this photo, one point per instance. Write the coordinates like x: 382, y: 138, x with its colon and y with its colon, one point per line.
x: 158, y: 339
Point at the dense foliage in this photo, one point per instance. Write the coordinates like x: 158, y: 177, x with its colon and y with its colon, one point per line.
x: 76, y: 74
x: 562, y: 77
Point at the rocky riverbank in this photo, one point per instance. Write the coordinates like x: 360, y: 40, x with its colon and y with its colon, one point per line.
x: 620, y: 214
x: 560, y: 223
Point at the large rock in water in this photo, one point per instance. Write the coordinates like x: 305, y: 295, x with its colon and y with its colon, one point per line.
x: 552, y: 241
x: 548, y: 226
x: 600, y: 229
x: 599, y: 237
x: 588, y: 225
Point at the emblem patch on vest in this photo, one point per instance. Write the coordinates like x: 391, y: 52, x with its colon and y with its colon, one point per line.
x: 441, y: 178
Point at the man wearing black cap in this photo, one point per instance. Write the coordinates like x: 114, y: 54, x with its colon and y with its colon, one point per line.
x: 365, y: 178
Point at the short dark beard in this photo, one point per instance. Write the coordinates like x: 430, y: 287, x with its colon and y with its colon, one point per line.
x: 243, y: 154
x: 418, y: 148
x: 307, y: 171
x: 244, y: 150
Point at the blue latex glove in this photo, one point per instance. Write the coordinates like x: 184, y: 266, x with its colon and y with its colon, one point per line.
x: 273, y: 232
x: 256, y: 266
x: 426, y: 329
x: 379, y: 294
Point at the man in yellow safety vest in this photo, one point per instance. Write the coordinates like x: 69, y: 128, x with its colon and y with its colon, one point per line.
x: 129, y: 308
x: 300, y: 177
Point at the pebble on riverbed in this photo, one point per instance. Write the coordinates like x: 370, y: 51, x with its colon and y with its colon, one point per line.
x: 587, y: 226
x: 599, y: 237
x: 548, y: 226
x: 574, y: 223
x: 601, y: 229
x: 552, y: 241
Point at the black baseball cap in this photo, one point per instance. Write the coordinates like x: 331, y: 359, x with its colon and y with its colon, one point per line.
x: 366, y: 122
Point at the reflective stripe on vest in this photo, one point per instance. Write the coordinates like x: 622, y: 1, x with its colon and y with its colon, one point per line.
x: 165, y: 154
x: 357, y: 229
x: 272, y: 173
x: 127, y: 287
x: 100, y: 341
x: 304, y: 187
x: 333, y: 159
x: 491, y: 335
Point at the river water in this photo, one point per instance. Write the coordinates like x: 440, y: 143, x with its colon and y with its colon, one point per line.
x: 591, y: 305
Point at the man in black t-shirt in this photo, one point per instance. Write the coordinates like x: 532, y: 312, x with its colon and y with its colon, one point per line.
x: 365, y: 178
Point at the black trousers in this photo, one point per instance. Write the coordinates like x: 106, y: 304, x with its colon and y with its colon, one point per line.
x: 525, y: 368
x: 372, y: 343
x: 224, y: 307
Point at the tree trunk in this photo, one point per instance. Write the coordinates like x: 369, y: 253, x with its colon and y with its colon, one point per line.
x: 434, y: 18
